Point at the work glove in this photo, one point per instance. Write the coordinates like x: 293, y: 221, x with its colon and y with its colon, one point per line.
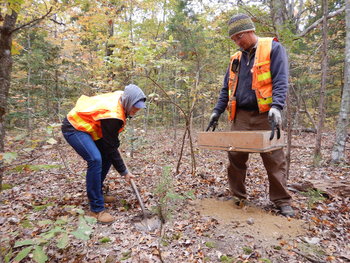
x: 213, y: 121
x: 275, y: 120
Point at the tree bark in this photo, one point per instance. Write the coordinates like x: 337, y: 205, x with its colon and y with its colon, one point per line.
x: 343, y: 119
x: 278, y: 16
x: 5, y: 68
x: 289, y: 132
x: 6, y: 31
x: 5, y: 73
x: 29, y: 87
x: 317, y: 153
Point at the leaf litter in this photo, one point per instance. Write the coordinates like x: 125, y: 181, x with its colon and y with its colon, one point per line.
x: 204, y: 226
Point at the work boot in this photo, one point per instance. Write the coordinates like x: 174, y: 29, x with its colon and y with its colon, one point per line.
x: 287, y: 211
x: 102, y: 217
x: 109, y: 199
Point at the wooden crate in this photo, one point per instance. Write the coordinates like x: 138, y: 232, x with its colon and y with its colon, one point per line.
x: 240, y: 141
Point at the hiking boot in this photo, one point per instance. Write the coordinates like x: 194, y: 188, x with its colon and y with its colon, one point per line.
x: 287, y: 210
x: 109, y: 199
x: 102, y: 217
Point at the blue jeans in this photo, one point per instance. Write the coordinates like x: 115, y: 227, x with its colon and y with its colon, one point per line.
x: 97, y: 166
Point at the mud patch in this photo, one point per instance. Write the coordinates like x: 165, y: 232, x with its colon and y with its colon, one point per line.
x: 249, y: 223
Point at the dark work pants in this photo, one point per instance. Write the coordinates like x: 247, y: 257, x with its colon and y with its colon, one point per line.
x: 274, y: 162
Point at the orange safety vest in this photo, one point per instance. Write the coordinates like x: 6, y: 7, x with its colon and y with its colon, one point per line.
x: 88, y: 112
x: 261, y: 77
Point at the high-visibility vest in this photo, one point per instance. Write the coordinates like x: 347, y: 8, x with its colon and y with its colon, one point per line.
x: 261, y: 77
x: 88, y: 112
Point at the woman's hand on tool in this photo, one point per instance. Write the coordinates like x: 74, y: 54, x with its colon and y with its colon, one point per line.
x: 129, y: 176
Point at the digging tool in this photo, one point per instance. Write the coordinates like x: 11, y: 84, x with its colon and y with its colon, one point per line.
x: 147, y: 222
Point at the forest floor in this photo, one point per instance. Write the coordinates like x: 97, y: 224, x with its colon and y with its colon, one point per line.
x: 44, y: 203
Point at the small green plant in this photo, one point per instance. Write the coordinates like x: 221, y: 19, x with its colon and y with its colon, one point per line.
x: 26, y: 223
x: 164, y: 242
x: 210, y: 244
x: 247, y: 250
x: 314, y: 196
x: 59, y: 232
x: 42, y: 207
x: 227, y: 259
x: 105, y: 240
x: 126, y: 255
x: 167, y: 197
x: 6, y: 186
x: 37, y: 167
x: 125, y: 204
x: 317, y: 160
x: 265, y: 260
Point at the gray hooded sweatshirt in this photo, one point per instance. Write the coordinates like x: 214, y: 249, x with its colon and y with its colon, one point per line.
x: 131, y: 95
x: 109, y: 144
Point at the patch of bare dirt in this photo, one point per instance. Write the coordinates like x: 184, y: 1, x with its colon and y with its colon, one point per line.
x: 250, y: 221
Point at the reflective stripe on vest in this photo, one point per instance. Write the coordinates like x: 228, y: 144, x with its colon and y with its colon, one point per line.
x: 88, y: 112
x: 261, y: 77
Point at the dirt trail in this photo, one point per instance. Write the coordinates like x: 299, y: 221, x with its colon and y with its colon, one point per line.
x: 250, y: 222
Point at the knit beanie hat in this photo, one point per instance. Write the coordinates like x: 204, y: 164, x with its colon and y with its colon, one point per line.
x: 240, y: 23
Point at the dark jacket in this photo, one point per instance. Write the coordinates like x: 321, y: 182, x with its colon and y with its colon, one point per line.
x: 245, y: 96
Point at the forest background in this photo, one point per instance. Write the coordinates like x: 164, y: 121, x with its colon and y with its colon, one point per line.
x: 177, y: 51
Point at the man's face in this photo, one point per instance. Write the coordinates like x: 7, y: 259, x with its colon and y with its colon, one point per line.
x: 244, y: 40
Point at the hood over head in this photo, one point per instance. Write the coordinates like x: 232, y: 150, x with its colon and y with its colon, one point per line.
x: 131, y: 95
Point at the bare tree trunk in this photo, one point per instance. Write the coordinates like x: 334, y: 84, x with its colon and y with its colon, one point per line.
x: 131, y: 76
x: 317, y: 153
x: 6, y: 31
x: 187, y: 121
x: 289, y: 132
x: 174, y: 107
x: 5, y: 73
x: 277, y: 14
x: 181, y: 152
x: 343, y: 119
x: 29, y: 109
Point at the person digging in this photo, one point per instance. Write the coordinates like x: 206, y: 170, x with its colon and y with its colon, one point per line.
x: 92, y: 128
x: 254, y: 92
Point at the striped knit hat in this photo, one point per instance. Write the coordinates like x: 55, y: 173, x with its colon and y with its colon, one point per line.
x: 240, y: 23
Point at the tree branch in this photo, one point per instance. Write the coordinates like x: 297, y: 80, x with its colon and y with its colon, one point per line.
x: 317, y: 22
x: 56, y: 22
x: 35, y: 21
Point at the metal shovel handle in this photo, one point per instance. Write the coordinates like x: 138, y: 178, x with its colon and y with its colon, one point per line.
x: 134, y: 187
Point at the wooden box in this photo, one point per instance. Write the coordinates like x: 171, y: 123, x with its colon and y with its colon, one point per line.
x: 240, y: 141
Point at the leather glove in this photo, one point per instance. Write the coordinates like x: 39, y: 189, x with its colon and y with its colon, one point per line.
x: 213, y: 121
x: 275, y: 120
